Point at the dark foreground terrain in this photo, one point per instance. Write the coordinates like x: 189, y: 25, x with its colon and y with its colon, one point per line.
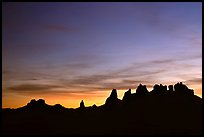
x: 176, y: 111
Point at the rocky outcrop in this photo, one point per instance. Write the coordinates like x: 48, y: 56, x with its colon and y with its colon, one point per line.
x: 141, y: 90
x: 112, y: 101
x: 82, y: 106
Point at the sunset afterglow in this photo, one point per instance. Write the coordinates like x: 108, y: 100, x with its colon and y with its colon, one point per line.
x: 67, y: 52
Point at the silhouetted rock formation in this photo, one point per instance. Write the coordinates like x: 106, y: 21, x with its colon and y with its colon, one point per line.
x: 171, y: 88
x: 176, y: 111
x: 181, y: 89
x: 112, y: 101
x: 36, y: 104
x: 33, y: 102
x: 82, y: 106
x: 141, y: 90
x: 58, y: 106
x: 159, y: 89
x: 94, y: 106
x: 126, y: 97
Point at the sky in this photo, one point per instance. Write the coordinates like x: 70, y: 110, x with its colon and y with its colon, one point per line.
x: 65, y: 52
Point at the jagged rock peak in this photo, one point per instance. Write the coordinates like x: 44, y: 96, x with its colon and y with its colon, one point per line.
x: 112, y: 100
x: 82, y: 104
x: 127, y: 94
x: 94, y: 106
x: 182, y: 89
x: 39, y: 101
x: 141, y: 89
x: 114, y: 94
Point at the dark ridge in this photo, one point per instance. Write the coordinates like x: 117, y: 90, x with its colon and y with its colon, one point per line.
x: 163, y: 111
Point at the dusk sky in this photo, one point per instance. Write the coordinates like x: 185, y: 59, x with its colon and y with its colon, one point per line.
x: 68, y: 52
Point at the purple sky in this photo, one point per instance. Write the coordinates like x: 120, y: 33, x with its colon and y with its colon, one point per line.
x: 84, y: 47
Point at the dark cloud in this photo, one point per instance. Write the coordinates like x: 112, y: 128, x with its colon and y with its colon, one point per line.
x: 140, y: 69
x: 166, y: 65
x: 68, y: 66
x: 75, y: 66
x: 128, y: 77
x: 194, y: 81
x: 5, y: 72
x: 109, y: 80
x: 161, y: 61
x: 59, y: 28
x: 32, y: 87
x: 34, y: 79
x: 133, y: 81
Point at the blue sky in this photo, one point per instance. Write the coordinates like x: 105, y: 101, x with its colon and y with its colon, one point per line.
x: 88, y: 47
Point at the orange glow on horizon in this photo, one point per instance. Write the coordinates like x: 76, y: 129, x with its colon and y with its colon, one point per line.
x: 73, y: 100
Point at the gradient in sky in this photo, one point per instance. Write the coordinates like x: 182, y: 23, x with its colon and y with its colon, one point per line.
x: 66, y: 52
